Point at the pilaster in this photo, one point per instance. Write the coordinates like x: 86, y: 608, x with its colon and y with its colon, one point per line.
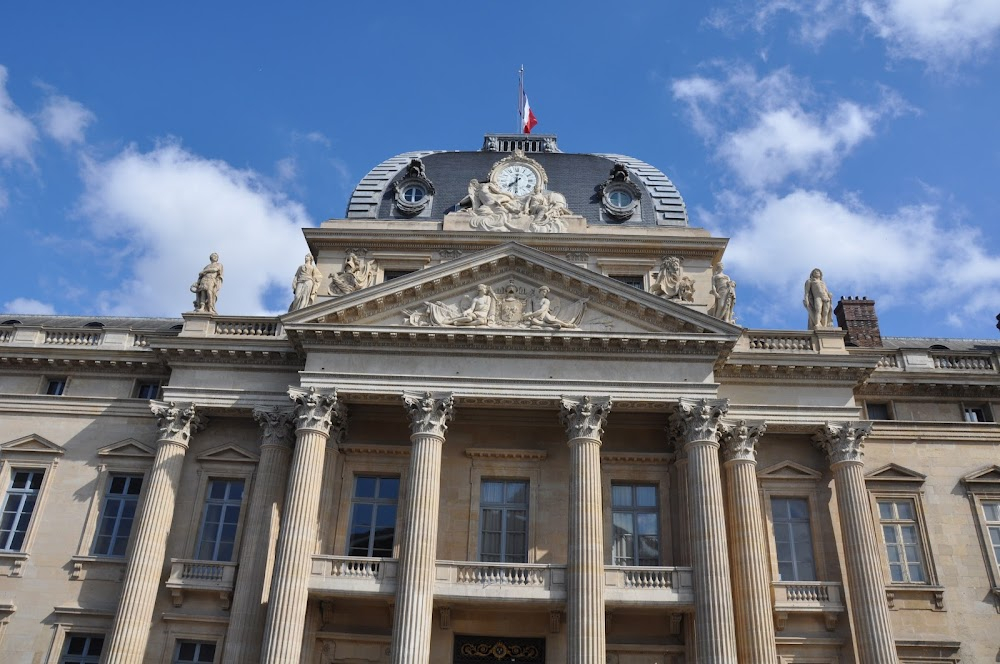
x: 411, y: 630
x: 844, y: 446
x: 248, y: 613
x: 697, y: 423
x: 317, y: 415
x: 584, y: 419
x: 750, y: 564
x: 133, y: 618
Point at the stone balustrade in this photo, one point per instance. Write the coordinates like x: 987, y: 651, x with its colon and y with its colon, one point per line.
x: 500, y: 581
x: 963, y: 361
x: 106, y: 339
x: 201, y: 576
x: 825, y: 597
x: 348, y: 575
x: 648, y: 586
x: 790, y: 341
x: 240, y: 327
x: 933, y: 361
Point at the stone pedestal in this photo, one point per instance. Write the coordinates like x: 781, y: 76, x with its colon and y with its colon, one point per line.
x: 249, y: 608
x: 844, y: 445
x: 584, y: 420
x: 697, y: 422
x: 132, y: 623
x: 411, y: 628
x: 750, y: 564
x: 315, y: 414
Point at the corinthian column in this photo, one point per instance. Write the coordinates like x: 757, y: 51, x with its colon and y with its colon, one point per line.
x: 715, y: 638
x: 131, y: 627
x: 316, y: 413
x: 584, y: 420
x: 750, y: 564
x: 844, y: 445
x: 249, y: 608
x: 411, y: 627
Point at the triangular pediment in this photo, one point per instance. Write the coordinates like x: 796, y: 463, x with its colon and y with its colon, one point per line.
x: 130, y: 448
x: 788, y: 470
x: 988, y: 475
x: 893, y: 472
x: 32, y: 444
x: 518, y: 281
x: 228, y: 454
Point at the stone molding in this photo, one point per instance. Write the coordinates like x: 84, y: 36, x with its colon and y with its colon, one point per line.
x: 319, y: 411
x: 584, y: 417
x: 176, y: 424
x: 504, y: 453
x: 429, y: 412
x: 697, y: 420
x: 276, y: 425
x: 739, y: 440
x: 843, y: 443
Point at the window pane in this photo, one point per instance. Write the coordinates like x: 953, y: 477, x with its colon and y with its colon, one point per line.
x: 219, y: 520
x: 793, y: 539
x: 635, y: 525
x: 621, y: 496
x: 992, y: 511
x: 503, y: 521
x: 373, y: 516
x: 904, y: 510
x: 885, y: 510
x: 645, y: 496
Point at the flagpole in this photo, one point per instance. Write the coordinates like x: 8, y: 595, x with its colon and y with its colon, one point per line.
x: 520, y: 97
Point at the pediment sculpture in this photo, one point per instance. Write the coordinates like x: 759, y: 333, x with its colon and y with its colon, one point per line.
x: 487, y: 308
x: 671, y: 282
x: 358, y: 273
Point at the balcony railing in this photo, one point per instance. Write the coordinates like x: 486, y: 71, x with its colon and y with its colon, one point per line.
x: 782, y: 341
x: 651, y: 586
x: 502, y: 581
x: 201, y: 576
x: 807, y: 597
x: 349, y: 575
x: 105, y: 339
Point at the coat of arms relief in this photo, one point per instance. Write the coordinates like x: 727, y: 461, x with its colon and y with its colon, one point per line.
x: 514, y: 307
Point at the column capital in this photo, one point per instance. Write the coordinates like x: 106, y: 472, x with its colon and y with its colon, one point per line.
x: 276, y: 425
x: 844, y: 442
x: 739, y: 440
x: 177, y: 423
x: 319, y: 411
x: 698, y: 419
x: 584, y: 417
x: 429, y: 412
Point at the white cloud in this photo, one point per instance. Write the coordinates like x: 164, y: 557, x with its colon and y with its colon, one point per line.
x: 65, y: 120
x: 909, y: 257
x: 23, y: 305
x: 767, y: 129
x: 172, y: 209
x: 17, y: 133
x: 287, y: 169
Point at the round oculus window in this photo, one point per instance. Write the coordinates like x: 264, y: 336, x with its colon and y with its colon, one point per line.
x: 414, y: 193
x: 620, y: 198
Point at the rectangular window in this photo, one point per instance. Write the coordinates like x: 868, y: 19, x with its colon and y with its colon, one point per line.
x: 217, y: 537
x: 991, y: 512
x: 902, y: 540
x: 194, y: 652
x: 18, y: 506
x: 117, y: 513
x: 147, y: 390
x: 503, y: 519
x: 82, y: 649
x: 633, y: 280
x: 373, y: 517
x: 389, y: 275
x: 55, y: 386
x: 976, y: 413
x: 793, y: 539
x: 878, y: 411
x: 635, y: 525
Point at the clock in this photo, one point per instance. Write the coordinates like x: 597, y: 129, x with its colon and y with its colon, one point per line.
x: 517, y: 179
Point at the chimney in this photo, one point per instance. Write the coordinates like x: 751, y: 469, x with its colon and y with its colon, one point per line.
x: 857, y: 316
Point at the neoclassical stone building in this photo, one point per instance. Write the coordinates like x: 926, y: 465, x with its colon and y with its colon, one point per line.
x: 510, y: 418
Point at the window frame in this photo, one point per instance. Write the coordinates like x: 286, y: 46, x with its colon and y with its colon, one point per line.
x: 67, y: 638
x: 790, y: 480
x: 384, y: 460
x: 204, y: 504
x: 179, y: 642
x: 897, y: 524
x: 29, y: 453
x: 657, y: 509
x: 505, y: 507
x: 503, y: 464
x: 377, y: 502
x: 983, y: 486
x: 811, y: 511
x: 105, y: 482
x: 46, y: 382
x: 140, y: 383
x: 27, y: 491
x: 890, y: 411
x: 213, y: 470
x: 983, y: 406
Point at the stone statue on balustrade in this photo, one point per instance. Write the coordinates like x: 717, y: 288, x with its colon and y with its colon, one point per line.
x: 305, y: 284
x: 358, y: 273
x: 818, y: 301
x: 671, y: 282
x: 724, y: 291
x: 206, y: 288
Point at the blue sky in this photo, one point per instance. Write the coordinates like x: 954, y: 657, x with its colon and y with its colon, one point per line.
x: 859, y: 136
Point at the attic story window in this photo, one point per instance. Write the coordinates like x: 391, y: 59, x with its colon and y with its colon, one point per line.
x: 389, y: 275
x: 633, y: 280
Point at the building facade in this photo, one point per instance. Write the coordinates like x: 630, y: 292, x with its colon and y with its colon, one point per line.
x: 509, y: 418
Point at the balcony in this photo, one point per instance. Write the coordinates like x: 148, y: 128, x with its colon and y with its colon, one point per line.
x: 807, y: 597
x: 201, y: 576
x: 458, y: 581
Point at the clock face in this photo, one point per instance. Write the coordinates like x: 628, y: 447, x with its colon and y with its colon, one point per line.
x: 517, y: 179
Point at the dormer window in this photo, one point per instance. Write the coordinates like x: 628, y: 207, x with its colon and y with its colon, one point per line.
x: 414, y: 190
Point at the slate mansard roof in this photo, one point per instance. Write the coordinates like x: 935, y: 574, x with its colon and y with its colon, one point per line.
x: 576, y: 176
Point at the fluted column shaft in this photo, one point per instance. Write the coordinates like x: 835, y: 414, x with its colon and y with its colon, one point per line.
x: 411, y: 628
x: 750, y: 563
x: 132, y: 622
x: 286, y: 610
x: 869, y: 610
x: 248, y: 612
x: 584, y: 420
x: 713, y: 600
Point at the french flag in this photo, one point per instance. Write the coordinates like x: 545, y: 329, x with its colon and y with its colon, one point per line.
x: 528, y: 119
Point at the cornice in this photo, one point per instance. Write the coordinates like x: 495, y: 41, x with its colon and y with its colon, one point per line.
x: 933, y: 386
x: 226, y: 353
x: 43, y: 404
x: 636, y: 458
x: 90, y: 361
x: 357, y: 449
x: 795, y: 369
x: 503, y: 453
x: 952, y: 432
x: 792, y: 419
